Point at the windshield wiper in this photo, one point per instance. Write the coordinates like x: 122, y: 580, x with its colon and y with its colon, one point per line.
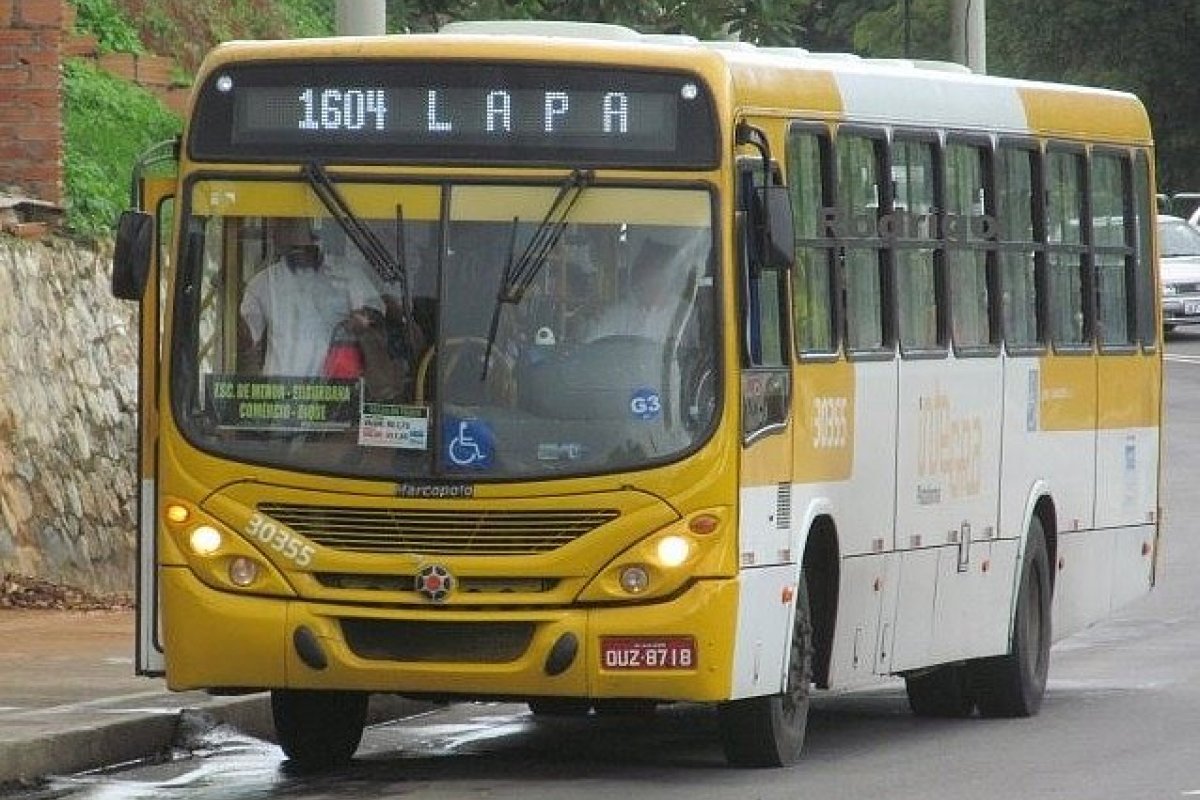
x: 391, y: 269
x: 520, y: 273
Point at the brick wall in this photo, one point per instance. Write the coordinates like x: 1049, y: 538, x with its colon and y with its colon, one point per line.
x: 31, y: 130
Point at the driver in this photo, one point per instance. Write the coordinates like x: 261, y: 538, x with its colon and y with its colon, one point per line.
x: 651, y: 304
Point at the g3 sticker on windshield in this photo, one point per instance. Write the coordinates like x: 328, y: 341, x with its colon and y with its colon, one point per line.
x: 645, y: 404
x: 468, y: 443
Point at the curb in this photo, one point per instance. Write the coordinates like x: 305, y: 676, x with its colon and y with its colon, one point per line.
x: 26, y: 762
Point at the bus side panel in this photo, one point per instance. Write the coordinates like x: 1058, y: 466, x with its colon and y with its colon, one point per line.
x: 947, y: 488
x: 1127, y: 440
x: 865, y: 526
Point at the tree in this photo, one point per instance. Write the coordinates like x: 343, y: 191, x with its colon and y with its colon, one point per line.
x: 1132, y: 45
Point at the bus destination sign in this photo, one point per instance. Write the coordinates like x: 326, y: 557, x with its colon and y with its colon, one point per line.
x: 453, y: 112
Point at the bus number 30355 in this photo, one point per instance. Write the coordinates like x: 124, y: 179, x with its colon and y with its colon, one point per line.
x: 635, y: 652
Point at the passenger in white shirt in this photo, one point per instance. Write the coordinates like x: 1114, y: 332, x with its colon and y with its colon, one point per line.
x: 294, y: 306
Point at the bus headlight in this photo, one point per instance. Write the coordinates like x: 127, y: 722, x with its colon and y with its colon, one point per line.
x: 635, y: 579
x: 242, y: 571
x: 219, y: 557
x: 665, y: 561
x: 673, y: 551
x: 205, y: 540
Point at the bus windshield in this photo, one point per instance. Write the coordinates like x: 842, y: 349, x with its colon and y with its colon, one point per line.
x: 437, y: 356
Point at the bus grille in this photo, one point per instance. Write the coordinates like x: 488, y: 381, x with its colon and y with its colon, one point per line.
x: 445, y: 532
x: 461, y: 642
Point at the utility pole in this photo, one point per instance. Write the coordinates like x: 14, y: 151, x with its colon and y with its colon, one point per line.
x: 968, y: 29
x: 907, y: 29
x: 361, y: 18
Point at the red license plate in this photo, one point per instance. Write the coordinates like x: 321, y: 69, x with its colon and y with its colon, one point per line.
x: 648, y: 652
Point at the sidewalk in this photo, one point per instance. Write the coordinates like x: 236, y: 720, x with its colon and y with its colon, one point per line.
x: 69, y: 699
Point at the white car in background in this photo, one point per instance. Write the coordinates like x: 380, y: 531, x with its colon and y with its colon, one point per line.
x: 1179, y: 271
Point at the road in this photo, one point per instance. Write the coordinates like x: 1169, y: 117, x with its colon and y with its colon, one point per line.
x: 1120, y: 720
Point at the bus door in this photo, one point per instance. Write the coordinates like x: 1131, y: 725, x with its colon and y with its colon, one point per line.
x: 155, y: 196
x: 766, y: 541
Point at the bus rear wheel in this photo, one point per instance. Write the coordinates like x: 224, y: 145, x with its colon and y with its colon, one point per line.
x: 769, y: 731
x: 317, y: 729
x: 1013, y: 685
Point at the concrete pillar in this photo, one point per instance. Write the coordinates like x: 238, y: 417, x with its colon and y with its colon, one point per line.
x: 361, y: 18
x: 969, y: 33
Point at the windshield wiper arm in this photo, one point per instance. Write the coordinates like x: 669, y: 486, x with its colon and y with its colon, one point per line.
x: 520, y: 273
x: 390, y: 269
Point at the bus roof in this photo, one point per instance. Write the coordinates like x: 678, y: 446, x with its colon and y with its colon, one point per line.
x: 838, y: 87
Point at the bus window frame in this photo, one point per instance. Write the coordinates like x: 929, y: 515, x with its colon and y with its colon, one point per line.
x: 1087, y: 344
x: 1032, y: 147
x: 1148, y: 301
x: 886, y: 351
x: 1128, y: 251
x: 751, y: 334
x: 986, y: 144
x: 937, y: 244
x: 822, y: 243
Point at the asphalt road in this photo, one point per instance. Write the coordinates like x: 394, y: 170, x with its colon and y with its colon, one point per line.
x: 1121, y: 719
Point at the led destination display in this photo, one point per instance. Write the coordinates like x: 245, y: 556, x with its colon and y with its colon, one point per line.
x: 454, y: 112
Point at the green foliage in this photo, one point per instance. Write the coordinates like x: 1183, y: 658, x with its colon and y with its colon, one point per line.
x: 308, y: 17
x: 1130, y: 45
x: 109, y: 122
x: 881, y: 33
x: 105, y: 20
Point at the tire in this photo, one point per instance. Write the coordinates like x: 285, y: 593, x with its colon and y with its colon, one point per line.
x: 769, y: 731
x: 318, y: 730
x: 1013, y: 685
x: 945, y: 692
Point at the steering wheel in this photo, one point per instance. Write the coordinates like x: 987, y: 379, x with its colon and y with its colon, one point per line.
x: 464, y: 357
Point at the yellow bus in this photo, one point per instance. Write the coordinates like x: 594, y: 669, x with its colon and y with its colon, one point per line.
x: 596, y: 370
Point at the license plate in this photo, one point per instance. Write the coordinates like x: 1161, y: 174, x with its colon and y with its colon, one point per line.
x: 648, y: 652
x: 1191, y: 307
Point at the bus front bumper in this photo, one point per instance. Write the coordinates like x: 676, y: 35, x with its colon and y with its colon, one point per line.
x: 676, y: 649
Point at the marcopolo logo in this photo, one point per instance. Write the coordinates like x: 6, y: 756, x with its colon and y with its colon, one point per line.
x: 903, y: 224
x: 436, y: 491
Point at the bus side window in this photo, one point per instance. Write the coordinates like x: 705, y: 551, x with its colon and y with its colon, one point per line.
x: 1112, y: 249
x: 766, y: 294
x: 1070, y: 309
x: 920, y: 313
x: 970, y: 246
x: 814, y: 297
x: 860, y: 204
x: 1147, y: 291
x: 1019, y: 251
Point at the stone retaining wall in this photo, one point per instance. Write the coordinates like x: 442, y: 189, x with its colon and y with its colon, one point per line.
x: 68, y: 391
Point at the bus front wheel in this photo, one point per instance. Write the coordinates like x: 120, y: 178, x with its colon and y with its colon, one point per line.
x: 318, y: 729
x: 769, y: 731
x: 1013, y: 685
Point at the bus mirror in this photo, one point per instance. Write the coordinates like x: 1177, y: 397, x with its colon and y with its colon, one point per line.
x: 777, y: 237
x: 131, y: 256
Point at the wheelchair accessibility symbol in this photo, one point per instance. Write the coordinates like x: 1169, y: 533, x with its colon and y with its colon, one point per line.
x: 469, y: 443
